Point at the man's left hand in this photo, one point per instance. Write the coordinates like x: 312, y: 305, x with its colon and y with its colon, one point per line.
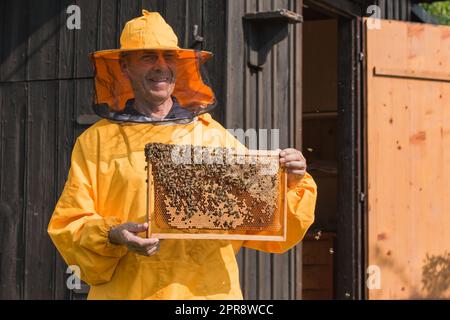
x: 295, y: 163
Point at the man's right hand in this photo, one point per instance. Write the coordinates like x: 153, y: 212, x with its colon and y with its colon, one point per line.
x: 126, y: 234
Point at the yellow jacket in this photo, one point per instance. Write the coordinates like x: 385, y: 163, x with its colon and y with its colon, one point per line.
x: 106, y: 186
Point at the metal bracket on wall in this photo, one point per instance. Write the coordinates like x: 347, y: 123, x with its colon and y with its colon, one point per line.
x: 198, y: 39
x: 263, y: 30
x: 411, y: 74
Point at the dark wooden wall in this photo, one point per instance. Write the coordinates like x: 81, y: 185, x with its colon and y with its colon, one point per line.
x: 46, y: 84
x: 390, y: 9
x: 395, y: 9
x: 266, y: 99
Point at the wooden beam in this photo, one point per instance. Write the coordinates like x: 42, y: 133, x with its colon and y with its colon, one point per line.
x: 348, y: 247
x: 411, y: 74
x: 339, y: 7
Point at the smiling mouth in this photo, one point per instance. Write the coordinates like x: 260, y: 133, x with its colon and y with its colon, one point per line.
x: 160, y: 78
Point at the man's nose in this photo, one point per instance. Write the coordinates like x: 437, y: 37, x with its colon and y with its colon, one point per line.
x: 161, y: 62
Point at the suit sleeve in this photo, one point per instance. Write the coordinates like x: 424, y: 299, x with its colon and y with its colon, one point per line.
x: 301, y: 202
x: 79, y: 233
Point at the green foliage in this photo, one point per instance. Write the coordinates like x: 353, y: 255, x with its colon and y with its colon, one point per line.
x: 439, y: 9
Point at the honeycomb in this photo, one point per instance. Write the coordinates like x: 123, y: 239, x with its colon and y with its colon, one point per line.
x: 224, y: 191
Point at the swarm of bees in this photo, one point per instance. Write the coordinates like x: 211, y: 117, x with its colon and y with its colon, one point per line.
x: 216, y: 195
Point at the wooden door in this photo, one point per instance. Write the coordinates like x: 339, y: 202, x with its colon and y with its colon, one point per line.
x: 408, y: 117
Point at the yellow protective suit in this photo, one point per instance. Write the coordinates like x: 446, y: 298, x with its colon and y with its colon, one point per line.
x: 106, y: 186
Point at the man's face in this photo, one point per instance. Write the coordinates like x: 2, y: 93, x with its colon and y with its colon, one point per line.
x: 152, y: 74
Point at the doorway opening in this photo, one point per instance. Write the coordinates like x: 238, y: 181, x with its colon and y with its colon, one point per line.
x: 333, y: 143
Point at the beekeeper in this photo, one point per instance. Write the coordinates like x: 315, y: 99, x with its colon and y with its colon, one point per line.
x: 147, y: 91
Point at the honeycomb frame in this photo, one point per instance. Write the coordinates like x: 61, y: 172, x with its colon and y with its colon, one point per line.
x: 244, y: 204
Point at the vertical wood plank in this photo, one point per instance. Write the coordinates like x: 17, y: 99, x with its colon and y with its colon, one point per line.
x: 154, y: 5
x: 64, y: 130
x: 347, y: 278
x: 251, y: 85
x: 13, y: 100
x: 235, y: 94
x: 408, y: 6
x: 250, y: 121
x: 266, y: 81
x: 66, y: 50
x: 240, y: 262
x: 298, y: 78
x: 267, y: 107
x: 361, y: 187
x: 389, y: 9
x: 42, y: 48
x: 214, y: 24
x: 2, y: 27
x: 195, y: 16
x: 396, y: 9
x: 42, y: 40
x: 297, y: 109
x: 292, y: 39
x: 84, y: 93
x: 382, y: 4
x: 282, y: 85
x: 65, y: 55
x: 40, y: 164
x: 128, y: 9
x: 176, y: 16
x: 14, y: 41
x: 264, y: 280
x: 64, y: 144
x: 403, y: 6
x: 109, y: 34
x: 86, y: 39
x: 281, y: 81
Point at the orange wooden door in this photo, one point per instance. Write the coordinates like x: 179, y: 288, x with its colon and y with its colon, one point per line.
x: 408, y: 129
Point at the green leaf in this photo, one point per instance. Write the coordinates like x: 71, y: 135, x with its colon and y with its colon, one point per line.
x: 439, y: 9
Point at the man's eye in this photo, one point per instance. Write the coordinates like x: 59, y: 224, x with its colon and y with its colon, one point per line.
x: 149, y: 57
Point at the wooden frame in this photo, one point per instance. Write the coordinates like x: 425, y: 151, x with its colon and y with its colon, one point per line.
x: 411, y: 74
x: 219, y: 236
x: 350, y: 257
